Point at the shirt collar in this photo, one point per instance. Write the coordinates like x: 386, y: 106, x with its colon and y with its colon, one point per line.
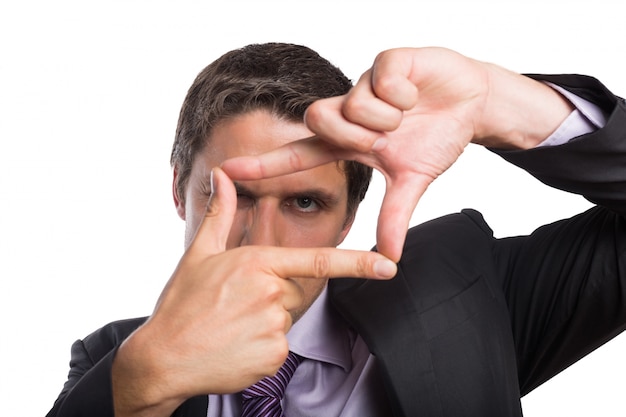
x: 320, y: 334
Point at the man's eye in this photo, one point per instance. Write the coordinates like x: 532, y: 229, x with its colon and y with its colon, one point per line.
x: 305, y: 204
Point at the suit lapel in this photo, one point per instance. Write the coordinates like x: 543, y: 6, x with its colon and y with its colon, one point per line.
x: 383, y: 313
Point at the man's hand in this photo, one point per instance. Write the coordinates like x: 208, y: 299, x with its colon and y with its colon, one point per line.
x: 220, y: 323
x: 410, y: 116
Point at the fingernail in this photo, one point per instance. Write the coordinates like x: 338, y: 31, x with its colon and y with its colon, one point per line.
x: 385, y: 268
x: 380, y: 144
x: 211, y: 181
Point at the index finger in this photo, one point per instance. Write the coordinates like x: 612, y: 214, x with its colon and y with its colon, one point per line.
x: 324, y: 263
x: 295, y: 156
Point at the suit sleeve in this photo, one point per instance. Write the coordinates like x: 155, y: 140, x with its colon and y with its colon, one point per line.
x: 566, y: 282
x: 592, y: 165
x: 521, y: 309
x: 87, y: 391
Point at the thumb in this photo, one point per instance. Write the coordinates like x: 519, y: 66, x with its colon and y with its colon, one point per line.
x: 214, y: 229
x: 401, y: 198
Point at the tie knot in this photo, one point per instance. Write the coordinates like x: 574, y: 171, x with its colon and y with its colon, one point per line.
x: 263, y: 398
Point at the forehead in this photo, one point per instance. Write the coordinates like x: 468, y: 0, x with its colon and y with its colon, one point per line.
x: 254, y: 133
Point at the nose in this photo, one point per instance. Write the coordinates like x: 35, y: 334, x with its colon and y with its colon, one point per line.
x: 261, y: 226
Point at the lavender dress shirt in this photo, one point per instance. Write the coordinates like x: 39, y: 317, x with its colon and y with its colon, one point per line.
x: 338, y: 376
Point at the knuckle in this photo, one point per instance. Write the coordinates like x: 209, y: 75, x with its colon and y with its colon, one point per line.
x: 385, y: 86
x: 321, y: 265
x: 315, y: 114
x: 278, y: 355
x: 272, y: 290
x: 280, y: 321
x: 288, y: 321
x: 272, y: 322
x: 294, y: 160
x: 354, y: 107
x: 363, y: 266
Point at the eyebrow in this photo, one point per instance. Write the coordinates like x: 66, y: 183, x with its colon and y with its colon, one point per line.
x: 328, y: 198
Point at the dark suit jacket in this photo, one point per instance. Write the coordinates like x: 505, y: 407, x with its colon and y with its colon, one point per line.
x: 470, y: 323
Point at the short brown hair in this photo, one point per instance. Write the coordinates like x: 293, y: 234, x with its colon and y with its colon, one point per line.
x: 281, y: 78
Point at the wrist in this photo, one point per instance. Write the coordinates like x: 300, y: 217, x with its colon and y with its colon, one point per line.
x: 140, y: 387
x: 519, y: 112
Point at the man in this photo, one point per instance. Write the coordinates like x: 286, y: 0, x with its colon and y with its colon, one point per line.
x: 228, y: 311
x: 468, y: 324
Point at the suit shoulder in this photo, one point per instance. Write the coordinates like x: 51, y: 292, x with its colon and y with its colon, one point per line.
x: 468, y: 221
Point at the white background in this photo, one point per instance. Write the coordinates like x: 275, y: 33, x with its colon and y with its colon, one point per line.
x: 89, y: 98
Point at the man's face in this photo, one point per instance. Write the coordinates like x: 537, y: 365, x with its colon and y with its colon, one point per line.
x: 303, y: 209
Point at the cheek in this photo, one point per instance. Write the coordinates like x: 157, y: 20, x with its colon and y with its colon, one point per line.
x: 322, y: 232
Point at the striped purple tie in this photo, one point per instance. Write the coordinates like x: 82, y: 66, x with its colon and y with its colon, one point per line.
x: 263, y: 398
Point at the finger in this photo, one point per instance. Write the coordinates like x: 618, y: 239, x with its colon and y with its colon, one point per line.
x: 213, y: 231
x: 326, y: 119
x: 391, y: 78
x: 363, y: 107
x: 294, y: 156
x: 401, y: 198
x: 331, y: 263
x: 288, y: 321
x: 293, y: 294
